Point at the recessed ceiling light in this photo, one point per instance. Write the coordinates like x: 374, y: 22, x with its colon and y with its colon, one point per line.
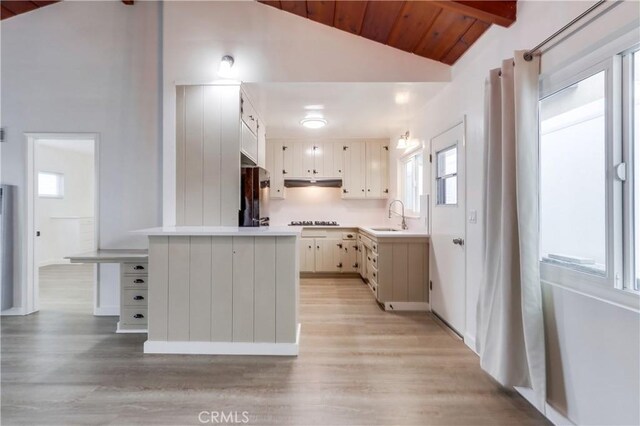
x: 313, y: 122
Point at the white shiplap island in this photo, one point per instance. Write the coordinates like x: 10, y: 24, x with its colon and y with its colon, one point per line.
x: 223, y: 290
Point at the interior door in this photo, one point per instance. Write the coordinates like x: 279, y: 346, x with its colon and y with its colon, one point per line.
x: 447, y: 257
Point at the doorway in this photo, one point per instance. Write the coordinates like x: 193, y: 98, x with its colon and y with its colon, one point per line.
x: 448, y: 228
x: 62, y: 221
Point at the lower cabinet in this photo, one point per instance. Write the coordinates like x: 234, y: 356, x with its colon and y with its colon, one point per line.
x: 134, y: 286
x: 329, y: 251
x: 328, y: 255
x: 308, y: 255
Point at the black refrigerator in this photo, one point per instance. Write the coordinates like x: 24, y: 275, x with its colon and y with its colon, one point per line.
x: 254, y: 196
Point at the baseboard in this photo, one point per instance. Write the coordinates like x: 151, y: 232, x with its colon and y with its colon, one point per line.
x: 223, y: 348
x: 329, y: 275
x: 406, y: 306
x: 12, y: 312
x: 553, y: 415
x: 470, y: 341
x: 130, y: 330
x: 106, y: 311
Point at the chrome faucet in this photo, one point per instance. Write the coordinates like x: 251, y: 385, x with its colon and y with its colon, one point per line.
x: 404, y: 222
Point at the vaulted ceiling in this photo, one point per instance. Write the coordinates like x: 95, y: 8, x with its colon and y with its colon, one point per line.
x: 438, y: 30
x: 16, y: 7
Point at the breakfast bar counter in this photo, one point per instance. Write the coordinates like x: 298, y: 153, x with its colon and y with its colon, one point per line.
x: 223, y: 290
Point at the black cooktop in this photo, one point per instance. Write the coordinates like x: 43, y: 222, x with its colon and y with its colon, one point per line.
x: 314, y: 223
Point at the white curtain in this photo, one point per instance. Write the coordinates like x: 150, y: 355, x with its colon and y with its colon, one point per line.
x: 510, y: 334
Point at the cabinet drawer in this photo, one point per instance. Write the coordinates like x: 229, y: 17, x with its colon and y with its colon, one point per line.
x: 374, y: 246
x: 349, y: 235
x: 372, y: 258
x: 135, y: 297
x: 140, y: 281
x: 141, y: 268
x: 248, y: 114
x: 134, y: 316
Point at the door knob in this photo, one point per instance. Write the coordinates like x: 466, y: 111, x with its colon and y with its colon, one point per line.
x: 458, y: 241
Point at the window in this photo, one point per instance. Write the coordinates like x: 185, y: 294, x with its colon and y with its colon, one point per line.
x: 412, y: 168
x: 589, y: 168
x: 447, y: 176
x: 573, y: 197
x: 50, y: 185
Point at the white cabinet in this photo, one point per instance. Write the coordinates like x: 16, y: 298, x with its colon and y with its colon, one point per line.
x: 262, y: 144
x: 249, y: 145
x: 328, y: 254
x: 307, y: 255
x: 349, y: 256
x: 366, y: 169
x: 275, y: 167
x: 338, y: 159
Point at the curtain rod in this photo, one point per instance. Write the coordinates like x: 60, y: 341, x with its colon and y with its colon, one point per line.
x: 528, y: 55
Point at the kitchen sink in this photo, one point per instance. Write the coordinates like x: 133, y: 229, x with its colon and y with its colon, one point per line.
x: 385, y: 229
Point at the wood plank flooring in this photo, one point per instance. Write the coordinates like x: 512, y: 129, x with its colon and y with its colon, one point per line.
x: 357, y: 366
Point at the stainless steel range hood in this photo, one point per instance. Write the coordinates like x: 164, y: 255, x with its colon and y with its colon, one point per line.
x: 322, y: 183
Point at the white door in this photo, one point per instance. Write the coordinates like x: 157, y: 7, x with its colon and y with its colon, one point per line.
x: 447, y: 257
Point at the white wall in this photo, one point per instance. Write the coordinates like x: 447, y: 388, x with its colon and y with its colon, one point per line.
x: 583, y: 358
x: 61, y: 220
x: 88, y: 67
x: 268, y: 45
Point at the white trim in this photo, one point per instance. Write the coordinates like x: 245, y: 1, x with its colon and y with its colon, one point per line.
x: 54, y: 262
x: 553, y: 415
x: 106, y: 311
x: 30, y: 288
x: 470, y: 341
x: 223, y: 348
x: 406, y: 306
x: 11, y: 312
x: 130, y: 330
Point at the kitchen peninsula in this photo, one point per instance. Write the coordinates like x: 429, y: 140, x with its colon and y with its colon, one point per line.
x: 223, y: 290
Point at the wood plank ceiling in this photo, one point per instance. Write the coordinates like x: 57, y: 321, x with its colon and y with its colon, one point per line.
x: 16, y: 7
x: 438, y: 30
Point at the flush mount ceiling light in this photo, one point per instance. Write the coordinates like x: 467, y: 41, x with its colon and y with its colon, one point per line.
x: 313, y: 122
x: 403, y: 141
x: 226, y: 65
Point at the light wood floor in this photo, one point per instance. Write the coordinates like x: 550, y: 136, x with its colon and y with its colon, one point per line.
x: 357, y: 366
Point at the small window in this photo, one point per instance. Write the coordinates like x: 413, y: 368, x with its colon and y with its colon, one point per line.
x: 447, y: 176
x: 50, y: 185
x: 412, y: 182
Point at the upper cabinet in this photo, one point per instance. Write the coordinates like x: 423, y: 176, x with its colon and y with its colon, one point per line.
x: 253, y: 132
x: 362, y: 165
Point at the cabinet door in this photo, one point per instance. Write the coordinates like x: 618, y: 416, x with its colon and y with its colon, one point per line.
x: 287, y: 160
x: 302, y: 159
x: 249, y: 146
x: 328, y: 253
x: 338, y: 149
x: 349, y: 256
x: 361, y: 263
x: 324, y: 159
x: 307, y: 255
x: 354, y: 170
x: 376, y: 169
x: 262, y: 144
x: 274, y: 161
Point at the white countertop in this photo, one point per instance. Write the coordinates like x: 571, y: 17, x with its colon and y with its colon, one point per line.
x: 398, y: 233
x: 233, y: 231
x: 110, y: 256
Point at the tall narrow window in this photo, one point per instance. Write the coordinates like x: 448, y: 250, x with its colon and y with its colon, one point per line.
x: 50, y: 185
x: 447, y: 176
x: 573, y: 191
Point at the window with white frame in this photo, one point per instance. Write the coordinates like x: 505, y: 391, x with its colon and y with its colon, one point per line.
x: 411, y: 178
x: 447, y: 176
x: 589, y: 195
x: 50, y: 185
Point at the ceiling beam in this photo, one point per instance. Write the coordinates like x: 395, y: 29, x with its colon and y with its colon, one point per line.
x: 501, y: 12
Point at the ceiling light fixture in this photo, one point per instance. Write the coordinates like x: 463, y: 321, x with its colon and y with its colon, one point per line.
x: 226, y: 64
x: 313, y: 122
x: 403, y: 141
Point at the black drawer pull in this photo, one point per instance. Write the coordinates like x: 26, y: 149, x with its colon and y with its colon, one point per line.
x: 138, y: 316
x: 368, y: 258
x: 138, y: 297
x: 138, y: 268
x: 349, y: 236
x: 138, y: 281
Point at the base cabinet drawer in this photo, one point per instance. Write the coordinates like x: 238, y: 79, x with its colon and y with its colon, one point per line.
x: 135, y: 268
x: 135, y: 297
x: 134, y: 316
x: 135, y: 282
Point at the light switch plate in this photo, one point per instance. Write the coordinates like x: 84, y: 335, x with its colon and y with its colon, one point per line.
x: 473, y: 216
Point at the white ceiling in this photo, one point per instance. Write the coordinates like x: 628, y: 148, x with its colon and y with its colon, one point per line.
x: 75, y: 145
x: 352, y: 110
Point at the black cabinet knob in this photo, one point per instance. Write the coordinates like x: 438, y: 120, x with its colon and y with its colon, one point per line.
x: 138, y: 281
x: 138, y: 297
x: 138, y: 316
x: 138, y: 267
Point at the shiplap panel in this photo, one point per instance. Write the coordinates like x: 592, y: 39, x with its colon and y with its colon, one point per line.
x: 178, y: 308
x: 211, y: 157
x: 385, y: 272
x: 222, y: 289
x: 243, y: 288
x: 265, y: 290
x: 230, y: 154
x: 400, y: 273
x: 180, y: 156
x: 415, y: 272
x: 286, y: 289
x: 200, y: 289
x: 194, y: 166
x: 159, y: 290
